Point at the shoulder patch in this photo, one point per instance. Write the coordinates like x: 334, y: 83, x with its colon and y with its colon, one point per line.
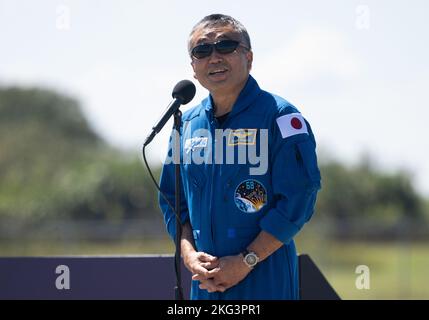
x: 291, y: 124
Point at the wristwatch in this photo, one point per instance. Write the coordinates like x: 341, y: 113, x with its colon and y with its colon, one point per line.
x: 250, y: 258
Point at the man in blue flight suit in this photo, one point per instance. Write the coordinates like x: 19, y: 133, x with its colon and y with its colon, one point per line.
x: 239, y: 219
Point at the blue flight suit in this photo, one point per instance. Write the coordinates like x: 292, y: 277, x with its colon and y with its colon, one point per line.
x: 227, y: 206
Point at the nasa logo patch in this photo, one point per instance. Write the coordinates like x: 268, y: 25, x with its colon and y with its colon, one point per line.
x: 195, y: 143
x: 250, y: 196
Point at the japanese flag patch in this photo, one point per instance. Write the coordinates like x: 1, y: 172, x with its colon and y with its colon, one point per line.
x: 291, y: 124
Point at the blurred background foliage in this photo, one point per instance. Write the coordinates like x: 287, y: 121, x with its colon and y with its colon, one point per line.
x: 64, y: 190
x: 52, y: 164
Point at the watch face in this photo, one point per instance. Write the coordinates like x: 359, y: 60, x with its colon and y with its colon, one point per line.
x: 251, y: 259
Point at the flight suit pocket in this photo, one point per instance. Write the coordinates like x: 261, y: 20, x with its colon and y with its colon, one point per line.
x: 308, y: 159
x: 239, y: 237
x: 247, y: 233
x: 195, y: 182
x: 195, y: 175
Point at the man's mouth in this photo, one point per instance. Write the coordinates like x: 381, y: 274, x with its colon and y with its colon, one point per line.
x: 217, y: 71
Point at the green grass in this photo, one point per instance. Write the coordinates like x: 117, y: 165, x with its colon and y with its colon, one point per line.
x: 397, y: 271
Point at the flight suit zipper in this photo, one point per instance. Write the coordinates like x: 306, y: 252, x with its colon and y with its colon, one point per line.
x: 213, y: 126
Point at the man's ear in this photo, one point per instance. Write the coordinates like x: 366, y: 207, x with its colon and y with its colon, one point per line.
x: 193, y: 68
x: 249, y: 56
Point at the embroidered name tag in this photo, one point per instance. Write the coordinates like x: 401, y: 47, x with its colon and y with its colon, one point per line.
x: 242, y: 136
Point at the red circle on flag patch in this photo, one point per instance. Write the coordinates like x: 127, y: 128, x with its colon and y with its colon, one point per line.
x: 296, y: 123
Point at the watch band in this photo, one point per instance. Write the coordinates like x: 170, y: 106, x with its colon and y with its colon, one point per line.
x: 245, y: 252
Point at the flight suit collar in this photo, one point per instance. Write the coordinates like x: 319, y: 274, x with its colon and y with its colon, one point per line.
x: 249, y: 93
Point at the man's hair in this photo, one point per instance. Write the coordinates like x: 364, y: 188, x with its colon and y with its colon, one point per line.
x: 223, y: 20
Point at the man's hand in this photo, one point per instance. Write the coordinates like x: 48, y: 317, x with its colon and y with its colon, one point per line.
x: 230, y: 271
x: 200, y: 262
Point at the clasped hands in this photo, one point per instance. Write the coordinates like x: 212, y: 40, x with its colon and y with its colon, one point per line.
x: 216, y: 274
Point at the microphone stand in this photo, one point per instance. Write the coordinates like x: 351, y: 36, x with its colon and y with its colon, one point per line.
x: 176, y: 155
x: 183, y: 92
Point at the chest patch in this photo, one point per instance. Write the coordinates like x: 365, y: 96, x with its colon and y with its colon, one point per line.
x: 242, y: 136
x: 250, y: 196
x: 195, y: 143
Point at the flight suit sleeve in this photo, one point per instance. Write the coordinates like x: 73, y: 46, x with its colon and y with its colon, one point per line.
x: 295, y: 180
x: 167, y: 186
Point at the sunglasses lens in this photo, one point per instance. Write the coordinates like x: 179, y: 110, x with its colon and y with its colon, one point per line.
x: 226, y: 46
x: 202, y: 51
x: 223, y: 47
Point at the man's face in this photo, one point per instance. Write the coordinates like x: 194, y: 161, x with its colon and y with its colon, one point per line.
x: 221, y: 72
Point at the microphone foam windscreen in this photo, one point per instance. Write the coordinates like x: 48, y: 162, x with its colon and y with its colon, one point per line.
x: 184, y: 90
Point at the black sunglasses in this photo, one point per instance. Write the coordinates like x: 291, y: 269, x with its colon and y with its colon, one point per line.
x: 223, y: 47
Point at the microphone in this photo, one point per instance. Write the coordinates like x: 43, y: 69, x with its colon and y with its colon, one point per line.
x: 183, y: 92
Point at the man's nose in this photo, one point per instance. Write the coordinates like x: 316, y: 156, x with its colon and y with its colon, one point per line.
x: 215, y: 57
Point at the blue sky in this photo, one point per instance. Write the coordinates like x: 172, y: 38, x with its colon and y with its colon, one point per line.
x: 357, y: 70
